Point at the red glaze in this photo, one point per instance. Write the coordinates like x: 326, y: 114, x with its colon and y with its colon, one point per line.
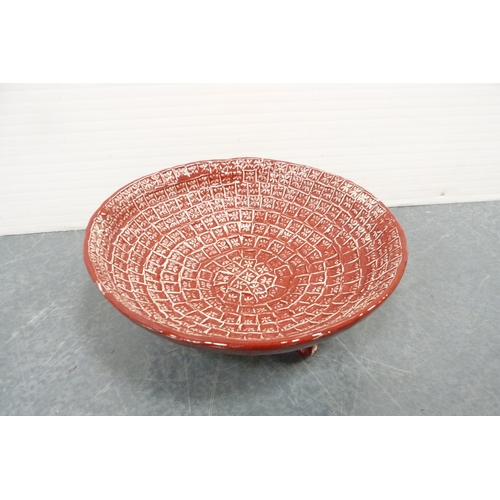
x: 246, y: 255
x: 308, y: 351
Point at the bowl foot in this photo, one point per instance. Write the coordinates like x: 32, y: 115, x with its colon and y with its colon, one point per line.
x: 308, y: 351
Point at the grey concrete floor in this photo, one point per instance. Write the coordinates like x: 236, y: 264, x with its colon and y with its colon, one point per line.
x: 433, y: 348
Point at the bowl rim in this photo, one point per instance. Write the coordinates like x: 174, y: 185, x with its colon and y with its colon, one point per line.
x: 244, y: 345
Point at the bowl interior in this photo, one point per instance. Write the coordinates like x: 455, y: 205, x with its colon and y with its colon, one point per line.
x: 244, y: 253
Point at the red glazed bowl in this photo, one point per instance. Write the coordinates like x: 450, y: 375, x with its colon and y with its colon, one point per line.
x: 246, y: 255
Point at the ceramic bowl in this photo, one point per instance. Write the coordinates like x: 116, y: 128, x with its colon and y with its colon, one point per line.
x: 245, y: 255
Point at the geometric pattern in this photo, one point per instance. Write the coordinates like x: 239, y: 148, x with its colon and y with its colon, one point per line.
x: 247, y: 249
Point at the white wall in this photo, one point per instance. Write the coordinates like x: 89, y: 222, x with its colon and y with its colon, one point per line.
x: 65, y: 148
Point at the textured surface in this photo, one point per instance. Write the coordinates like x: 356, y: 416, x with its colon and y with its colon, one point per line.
x: 65, y: 148
x: 432, y: 349
x: 247, y: 253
